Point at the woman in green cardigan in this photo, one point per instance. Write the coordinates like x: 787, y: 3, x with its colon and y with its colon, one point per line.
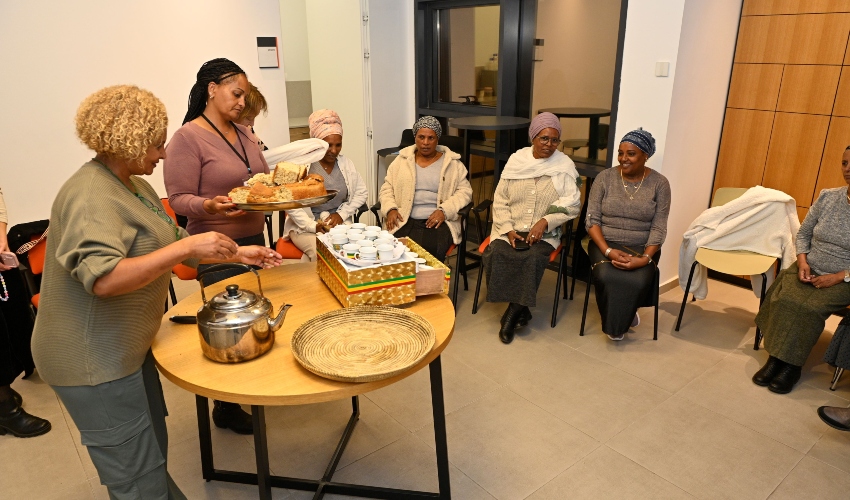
x: 109, y: 258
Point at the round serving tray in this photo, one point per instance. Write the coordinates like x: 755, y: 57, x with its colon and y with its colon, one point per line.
x: 287, y: 205
x: 363, y: 344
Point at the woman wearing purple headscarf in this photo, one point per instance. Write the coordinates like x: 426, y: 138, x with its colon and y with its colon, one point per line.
x: 627, y: 222
x: 536, y: 195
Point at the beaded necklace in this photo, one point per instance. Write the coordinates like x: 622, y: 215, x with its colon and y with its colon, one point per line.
x: 5, y: 296
x: 153, y: 208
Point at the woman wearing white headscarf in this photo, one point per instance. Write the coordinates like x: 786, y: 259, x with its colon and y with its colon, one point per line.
x: 339, y: 173
x: 536, y: 195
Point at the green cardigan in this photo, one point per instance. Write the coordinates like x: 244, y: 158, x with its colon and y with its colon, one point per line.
x: 79, y: 338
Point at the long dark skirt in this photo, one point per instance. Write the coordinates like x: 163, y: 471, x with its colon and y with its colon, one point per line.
x: 514, y: 276
x: 15, y: 330
x: 793, y: 315
x: 620, y: 293
x: 435, y: 241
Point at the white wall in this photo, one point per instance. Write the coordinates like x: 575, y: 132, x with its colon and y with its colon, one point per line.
x: 392, y: 72
x: 706, y: 51
x: 54, y: 54
x: 336, y: 71
x: 296, y: 55
x: 652, y: 34
x: 462, y: 53
x: 486, y: 33
x: 579, y: 55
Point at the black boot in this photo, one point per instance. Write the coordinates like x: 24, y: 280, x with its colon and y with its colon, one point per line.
x: 232, y: 416
x: 524, y: 317
x: 14, y: 419
x: 512, y: 316
x: 784, y: 381
x: 765, y: 375
x: 17, y: 397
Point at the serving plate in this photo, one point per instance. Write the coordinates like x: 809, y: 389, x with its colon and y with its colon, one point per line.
x: 287, y: 205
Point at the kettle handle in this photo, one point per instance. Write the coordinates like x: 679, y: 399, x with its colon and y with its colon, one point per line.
x: 222, y: 267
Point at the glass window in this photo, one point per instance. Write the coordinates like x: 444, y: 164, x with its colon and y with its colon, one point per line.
x: 468, y: 55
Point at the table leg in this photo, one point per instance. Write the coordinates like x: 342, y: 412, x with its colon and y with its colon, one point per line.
x: 593, y: 138
x: 440, y: 427
x: 497, y: 166
x: 466, y: 147
x: 205, y: 437
x: 261, y: 450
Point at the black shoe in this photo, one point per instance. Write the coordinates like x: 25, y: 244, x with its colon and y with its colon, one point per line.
x: 512, y: 316
x: 14, y: 419
x: 524, y: 317
x: 232, y: 416
x: 837, y: 418
x: 765, y: 375
x: 17, y: 397
x: 784, y: 381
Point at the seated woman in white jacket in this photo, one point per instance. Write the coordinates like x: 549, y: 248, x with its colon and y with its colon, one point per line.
x: 425, y: 187
x: 339, y: 173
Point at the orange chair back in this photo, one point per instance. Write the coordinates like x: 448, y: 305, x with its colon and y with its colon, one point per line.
x: 168, y: 209
x: 36, y: 256
x: 287, y: 249
x: 484, y: 245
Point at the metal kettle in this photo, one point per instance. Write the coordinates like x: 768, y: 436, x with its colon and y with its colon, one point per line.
x: 237, y: 325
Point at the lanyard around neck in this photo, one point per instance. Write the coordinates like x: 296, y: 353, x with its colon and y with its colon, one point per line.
x: 241, y: 157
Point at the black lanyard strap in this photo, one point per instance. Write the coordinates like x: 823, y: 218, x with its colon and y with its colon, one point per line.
x: 241, y: 157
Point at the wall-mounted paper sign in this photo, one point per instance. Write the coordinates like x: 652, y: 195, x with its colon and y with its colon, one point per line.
x: 267, y: 52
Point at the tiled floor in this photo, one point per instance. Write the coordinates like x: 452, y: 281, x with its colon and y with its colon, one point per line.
x: 551, y: 416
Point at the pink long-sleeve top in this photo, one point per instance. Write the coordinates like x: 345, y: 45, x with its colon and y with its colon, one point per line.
x: 199, y: 165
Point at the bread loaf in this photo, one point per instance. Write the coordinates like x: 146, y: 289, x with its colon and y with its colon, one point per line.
x: 312, y: 186
x: 287, y: 173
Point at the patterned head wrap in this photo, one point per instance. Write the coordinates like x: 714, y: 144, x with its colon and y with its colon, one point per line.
x: 642, y: 139
x: 323, y: 123
x: 543, y: 121
x: 428, y: 122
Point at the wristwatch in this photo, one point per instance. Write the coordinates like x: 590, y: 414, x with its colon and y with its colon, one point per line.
x: 847, y: 275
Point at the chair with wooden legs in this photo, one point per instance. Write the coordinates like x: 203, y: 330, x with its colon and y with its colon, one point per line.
x: 732, y: 262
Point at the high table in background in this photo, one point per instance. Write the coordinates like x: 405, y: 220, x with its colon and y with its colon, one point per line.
x: 276, y: 378
x: 593, y: 113
x: 496, y: 123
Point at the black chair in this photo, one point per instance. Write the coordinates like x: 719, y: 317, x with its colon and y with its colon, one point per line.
x: 656, y: 281
x: 461, y: 267
x: 559, y: 253
x: 575, y: 144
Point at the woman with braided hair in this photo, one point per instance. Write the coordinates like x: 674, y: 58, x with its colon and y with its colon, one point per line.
x: 207, y: 157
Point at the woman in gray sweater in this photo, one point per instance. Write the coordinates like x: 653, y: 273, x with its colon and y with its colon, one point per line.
x: 106, y: 272
x: 804, y: 295
x: 627, y: 222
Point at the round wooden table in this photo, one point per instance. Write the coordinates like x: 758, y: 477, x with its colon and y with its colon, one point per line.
x: 276, y: 378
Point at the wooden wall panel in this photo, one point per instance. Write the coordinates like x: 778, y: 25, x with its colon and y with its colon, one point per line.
x: 743, y: 148
x: 837, y: 139
x: 800, y: 39
x: 801, y: 212
x: 842, y: 97
x: 768, y: 7
x: 808, y: 89
x: 755, y: 86
x: 793, y: 160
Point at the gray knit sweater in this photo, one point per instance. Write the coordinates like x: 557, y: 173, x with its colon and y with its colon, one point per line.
x: 825, y: 233
x: 639, y: 221
x: 80, y: 338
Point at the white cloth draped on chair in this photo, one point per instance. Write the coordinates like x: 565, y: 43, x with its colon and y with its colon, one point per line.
x: 762, y: 220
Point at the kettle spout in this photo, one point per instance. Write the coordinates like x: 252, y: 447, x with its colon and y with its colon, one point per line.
x: 276, y: 323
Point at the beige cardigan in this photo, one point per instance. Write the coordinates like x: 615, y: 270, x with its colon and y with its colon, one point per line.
x: 454, y: 192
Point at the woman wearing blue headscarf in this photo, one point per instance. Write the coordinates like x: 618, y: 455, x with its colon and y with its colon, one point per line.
x: 627, y: 222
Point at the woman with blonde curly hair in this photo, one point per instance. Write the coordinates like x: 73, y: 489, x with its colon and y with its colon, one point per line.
x: 109, y: 258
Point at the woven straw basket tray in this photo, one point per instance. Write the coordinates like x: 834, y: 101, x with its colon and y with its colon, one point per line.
x: 363, y: 344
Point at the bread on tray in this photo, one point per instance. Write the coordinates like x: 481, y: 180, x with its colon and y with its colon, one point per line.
x: 288, y: 182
